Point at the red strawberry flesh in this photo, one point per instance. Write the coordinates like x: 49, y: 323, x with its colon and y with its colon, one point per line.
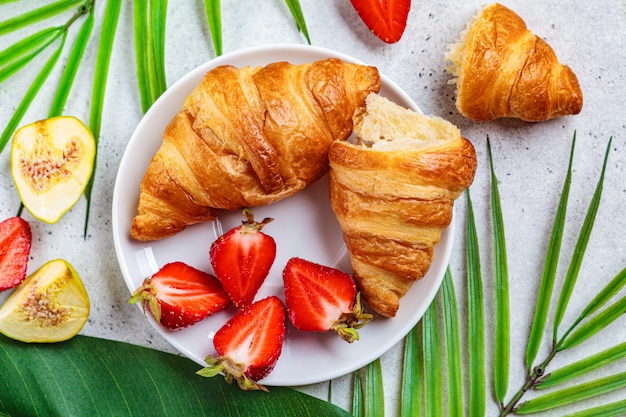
x: 15, y: 244
x: 320, y: 298
x: 242, y: 259
x: 179, y: 295
x: 385, y: 18
x: 249, y: 344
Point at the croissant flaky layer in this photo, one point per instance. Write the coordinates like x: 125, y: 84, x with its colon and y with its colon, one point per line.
x: 502, y: 69
x: 248, y: 137
x: 393, y: 194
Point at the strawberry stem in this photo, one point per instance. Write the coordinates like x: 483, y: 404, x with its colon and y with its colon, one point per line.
x: 232, y: 371
x: 249, y: 215
x: 347, y: 323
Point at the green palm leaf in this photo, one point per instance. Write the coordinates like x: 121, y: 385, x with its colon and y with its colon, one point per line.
x: 581, y: 246
x: 103, y: 59
x: 476, y: 319
x: 36, y: 15
x: 72, y: 65
x: 502, y: 338
x: 296, y: 11
x: 357, y: 395
x: 609, y: 410
x: 582, y: 367
x: 573, y: 394
x: 16, y: 56
x: 39, y: 80
x: 88, y: 376
x: 549, y: 273
x: 373, y: 396
x: 158, y: 15
x: 432, y: 363
x: 452, y: 346
x: 213, y: 12
x: 594, y: 325
x: 411, y: 394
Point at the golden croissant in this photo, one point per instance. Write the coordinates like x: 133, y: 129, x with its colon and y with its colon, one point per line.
x: 501, y: 69
x: 248, y: 137
x: 393, y: 192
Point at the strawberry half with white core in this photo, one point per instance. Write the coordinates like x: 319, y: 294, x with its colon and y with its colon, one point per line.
x: 320, y: 298
x: 179, y: 295
x: 15, y: 243
x: 249, y: 344
x: 242, y: 258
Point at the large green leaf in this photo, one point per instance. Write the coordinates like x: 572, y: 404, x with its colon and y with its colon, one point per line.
x: 88, y: 376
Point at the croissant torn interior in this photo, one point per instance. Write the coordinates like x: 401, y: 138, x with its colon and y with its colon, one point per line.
x: 248, y: 137
x: 392, y: 188
x: 501, y: 69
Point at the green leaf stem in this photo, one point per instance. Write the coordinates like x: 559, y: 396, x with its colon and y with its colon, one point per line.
x: 582, y: 367
x: 88, y: 376
x: 573, y: 394
x: 296, y: 11
x: 36, y: 15
x: 103, y: 59
x: 72, y: 65
x: 374, y: 396
x: 453, y: 346
x: 412, y: 374
x: 30, y: 95
x: 502, y: 336
x: 475, y: 319
x: 432, y: 362
x: 579, y: 251
x: 213, y: 12
x: 549, y: 273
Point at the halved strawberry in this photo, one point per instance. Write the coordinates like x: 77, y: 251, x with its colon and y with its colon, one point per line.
x: 242, y: 258
x: 179, y: 295
x: 320, y: 298
x: 249, y: 344
x: 15, y: 243
x: 385, y: 18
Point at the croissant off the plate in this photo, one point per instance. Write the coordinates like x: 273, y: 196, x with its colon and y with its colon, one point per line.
x: 393, y: 192
x: 501, y: 69
x: 248, y: 137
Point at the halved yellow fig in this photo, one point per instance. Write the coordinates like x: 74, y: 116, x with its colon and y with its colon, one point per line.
x: 51, y: 163
x: 51, y: 305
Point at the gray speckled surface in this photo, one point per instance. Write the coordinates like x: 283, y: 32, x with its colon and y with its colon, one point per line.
x: 530, y: 159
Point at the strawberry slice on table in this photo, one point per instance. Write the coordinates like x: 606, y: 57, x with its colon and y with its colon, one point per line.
x: 15, y: 243
x: 242, y: 258
x: 249, y: 344
x: 385, y: 18
x: 320, y: 298
x: 179, y: 295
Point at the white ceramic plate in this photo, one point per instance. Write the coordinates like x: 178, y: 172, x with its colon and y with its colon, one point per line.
x: 304, y: 226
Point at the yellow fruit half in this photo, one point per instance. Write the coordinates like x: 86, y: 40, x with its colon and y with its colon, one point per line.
x: 51, y: 305
x: 51, y: 162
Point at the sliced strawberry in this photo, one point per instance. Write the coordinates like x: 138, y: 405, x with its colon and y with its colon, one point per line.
x: 179, y: 295
x: 15, y: 243
x: 320, y: 298
x: 249, y: 344
x: 385, y: 18
x: 242, y: 258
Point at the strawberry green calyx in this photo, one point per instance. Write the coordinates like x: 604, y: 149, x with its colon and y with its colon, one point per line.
x: 232, y: 371
x: 347, y: 324
x: 146, y: 296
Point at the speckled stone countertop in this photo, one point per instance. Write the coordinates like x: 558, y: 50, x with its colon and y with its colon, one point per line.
x: 530, y: 158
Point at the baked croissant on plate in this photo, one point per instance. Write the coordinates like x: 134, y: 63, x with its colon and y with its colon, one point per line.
x: 393, y: 193
x: 248, y: 137
x: 501, y: 69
